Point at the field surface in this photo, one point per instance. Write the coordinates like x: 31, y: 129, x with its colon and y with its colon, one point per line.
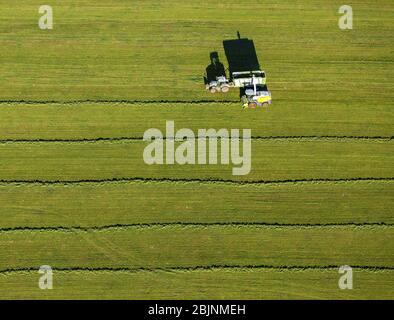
x: 76, y: 194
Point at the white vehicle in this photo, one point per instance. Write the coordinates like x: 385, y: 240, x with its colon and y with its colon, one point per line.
x: 254, y: 91
x: 256, y: 96
x: 221, y: 84
x: 215, y: 78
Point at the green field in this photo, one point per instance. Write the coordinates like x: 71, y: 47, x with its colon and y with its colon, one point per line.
x: 76, y: 194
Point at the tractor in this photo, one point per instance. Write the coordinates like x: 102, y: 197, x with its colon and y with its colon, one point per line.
x: 216, y: 78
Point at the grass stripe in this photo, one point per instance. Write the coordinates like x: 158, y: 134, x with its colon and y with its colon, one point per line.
x: 215, y: 283
x: 145, y: 202
x: 117, y: 121
x: 105, y: 61
x: 180, y: 246
x: 271, y: 161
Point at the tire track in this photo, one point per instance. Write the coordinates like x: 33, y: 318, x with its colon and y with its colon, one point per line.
x: 115, y: 102
x: 256, y: 138
x: 208, y: 268
x: 199, y: 225
x: 182, y: 180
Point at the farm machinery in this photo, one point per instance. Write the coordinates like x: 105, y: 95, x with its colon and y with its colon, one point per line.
x: 244, y: 73
x: 216, y: 78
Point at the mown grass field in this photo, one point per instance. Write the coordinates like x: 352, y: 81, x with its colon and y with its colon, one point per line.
x: 76, y: 194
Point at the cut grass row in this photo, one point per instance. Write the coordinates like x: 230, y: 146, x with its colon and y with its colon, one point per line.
x: 112, y: 120
x: 271, y: 161
x: 191, y: 246
x: 200, y: 284
x: 157, y: 51
x: 126, y: 203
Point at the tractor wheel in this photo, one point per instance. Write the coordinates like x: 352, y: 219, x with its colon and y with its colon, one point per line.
x: 225, y: 89
x: 265, y: 105
x: 252, y: 105
x: 212, y: 89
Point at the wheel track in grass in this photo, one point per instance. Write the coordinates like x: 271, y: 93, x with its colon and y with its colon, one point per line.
x: 121, y: 102
x: 198, y: 225
x: 255, y: 138
x: 115, y: 102
x: 207, y: 268
x: 181, y: 180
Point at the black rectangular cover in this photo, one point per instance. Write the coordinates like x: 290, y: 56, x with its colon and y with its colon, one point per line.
x: 241, y: 55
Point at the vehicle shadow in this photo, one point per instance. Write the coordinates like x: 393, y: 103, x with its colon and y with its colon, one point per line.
x: 241, y: 55
x: 215, y: 69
